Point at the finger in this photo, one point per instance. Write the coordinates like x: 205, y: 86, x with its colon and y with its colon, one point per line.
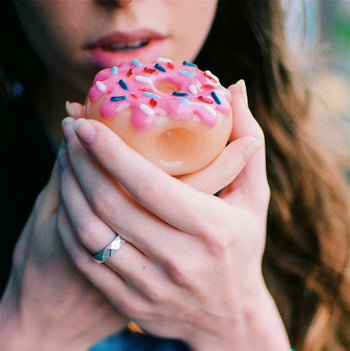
x: 251, y: 184
x: 225, y: 168
x: 155, y: 190
x: 104, y: 208
x: 92, y: 232
x: 111, y: 284
x: 74, y: 109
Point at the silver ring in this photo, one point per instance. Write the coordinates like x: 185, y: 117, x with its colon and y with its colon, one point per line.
x: 109, y: 250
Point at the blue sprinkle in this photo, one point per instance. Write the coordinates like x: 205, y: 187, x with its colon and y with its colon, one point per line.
x: 179, y: 94
x: 114, y: 69
x: 159, y: 67
x: 186, y: 63
x: 123, y: 85
x: 136, y: 63
x: 187, y: 73
x: 183, y: 100
x: 215, y: 97
x: 151, y: 95
x: 118, y: 98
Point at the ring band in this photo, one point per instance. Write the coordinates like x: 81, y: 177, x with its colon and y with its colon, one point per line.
x: 109, y: 250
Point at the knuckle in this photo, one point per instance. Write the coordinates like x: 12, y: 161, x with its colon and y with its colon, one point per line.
x: 179, y: 272
x: 103, y: 202
x: 216, y: 237
x: 88, y: 233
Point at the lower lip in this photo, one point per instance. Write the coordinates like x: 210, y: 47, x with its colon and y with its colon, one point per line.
x: 106, y: 59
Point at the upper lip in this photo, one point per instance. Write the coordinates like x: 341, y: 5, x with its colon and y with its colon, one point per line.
x: 120, y: 37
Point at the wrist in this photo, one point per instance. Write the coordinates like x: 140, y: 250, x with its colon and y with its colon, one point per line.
x: 258, y: 326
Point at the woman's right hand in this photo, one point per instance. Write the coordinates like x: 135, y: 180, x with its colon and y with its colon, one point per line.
x: 49, y: 305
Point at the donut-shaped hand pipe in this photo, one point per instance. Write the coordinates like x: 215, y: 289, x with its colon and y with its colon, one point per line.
x: 177, y: 116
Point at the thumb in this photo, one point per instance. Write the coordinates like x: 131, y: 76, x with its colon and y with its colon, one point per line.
x: 252, y: 181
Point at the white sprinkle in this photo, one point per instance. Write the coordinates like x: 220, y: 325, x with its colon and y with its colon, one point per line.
x: 143, y: 79
x: 193, y: 89
x: 101, y: 87
x: 210, y: 110
x: 146, y: 109
x: 211, y: 75
x: 162, y: 59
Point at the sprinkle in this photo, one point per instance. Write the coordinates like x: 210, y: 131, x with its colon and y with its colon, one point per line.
x: 143, y: 79
x: 183, y: 100
x: 149, y: 94
x: 176, y: 93
x: 193, y: 89
x: 118, y: 98
x: 211, y: 76
x: 146, y: 109
x: 170, y: 65
x: 123, y: 84
x: 134, y: 96
x: 153, y: 102
x: 146, y: 89
x: 210, y: 110
x: 114, y: 70
x: 159, y: 67
x: 187, y: 73
x: 149, y: 70
x: 208, y: 86
x: 224, y: 89
x: 130, y: 72
x: 136, y: 63
x: 162, y: 59
x: 215, y: 97
x: 206, y: 99
x: 186, y: 63
x: 101, y: 87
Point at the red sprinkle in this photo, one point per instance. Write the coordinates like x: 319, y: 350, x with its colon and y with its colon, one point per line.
x: 135, y: 96
x: 170, y: 65
x: 149, y: 70
x: 206, y: 99
x: 153, y: 102
x: 149, y: 90
x: 208, y: 86
x: 130, y: 72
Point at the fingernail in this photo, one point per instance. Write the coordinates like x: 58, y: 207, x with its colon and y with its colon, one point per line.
x: 252, y: 149
x: 241, y: 83
x: 85, y: 131
x: 67, y: 127
x: 70, y: 110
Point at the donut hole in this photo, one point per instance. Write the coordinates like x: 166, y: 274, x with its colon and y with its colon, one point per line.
x: 173, y: 146
x: 166, y: 87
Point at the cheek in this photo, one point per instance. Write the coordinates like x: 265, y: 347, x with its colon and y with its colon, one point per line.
x: 49, y: 25
x: 193, y: 22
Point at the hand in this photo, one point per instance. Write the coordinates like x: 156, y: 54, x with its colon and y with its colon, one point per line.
x: 48, y: 303
x: 191, y: 264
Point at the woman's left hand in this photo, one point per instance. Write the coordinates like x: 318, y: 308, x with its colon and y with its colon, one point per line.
x: 190, y: 267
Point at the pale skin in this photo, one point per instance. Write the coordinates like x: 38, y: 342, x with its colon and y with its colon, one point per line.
x: 191, y: 264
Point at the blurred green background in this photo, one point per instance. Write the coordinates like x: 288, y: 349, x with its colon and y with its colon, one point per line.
x: 324, y: 36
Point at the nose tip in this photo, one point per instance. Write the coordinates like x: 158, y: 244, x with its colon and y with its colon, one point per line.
x: 119, y: 3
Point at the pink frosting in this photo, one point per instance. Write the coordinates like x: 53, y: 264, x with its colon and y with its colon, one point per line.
x: 134, y: 85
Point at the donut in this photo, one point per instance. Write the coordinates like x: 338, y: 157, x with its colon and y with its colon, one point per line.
x: 176, y: 115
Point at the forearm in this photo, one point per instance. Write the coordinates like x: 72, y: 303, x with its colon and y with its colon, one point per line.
x: 260, y: 327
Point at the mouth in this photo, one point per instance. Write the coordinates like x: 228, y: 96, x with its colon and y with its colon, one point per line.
x: 125, y: 46
x: 117, y: 47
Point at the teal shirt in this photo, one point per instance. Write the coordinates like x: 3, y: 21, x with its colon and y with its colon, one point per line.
x: 131, y: 341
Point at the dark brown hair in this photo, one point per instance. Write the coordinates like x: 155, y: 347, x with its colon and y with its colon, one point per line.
x: 307, y: 248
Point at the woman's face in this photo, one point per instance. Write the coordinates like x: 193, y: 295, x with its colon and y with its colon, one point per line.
x: 75, y: 38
